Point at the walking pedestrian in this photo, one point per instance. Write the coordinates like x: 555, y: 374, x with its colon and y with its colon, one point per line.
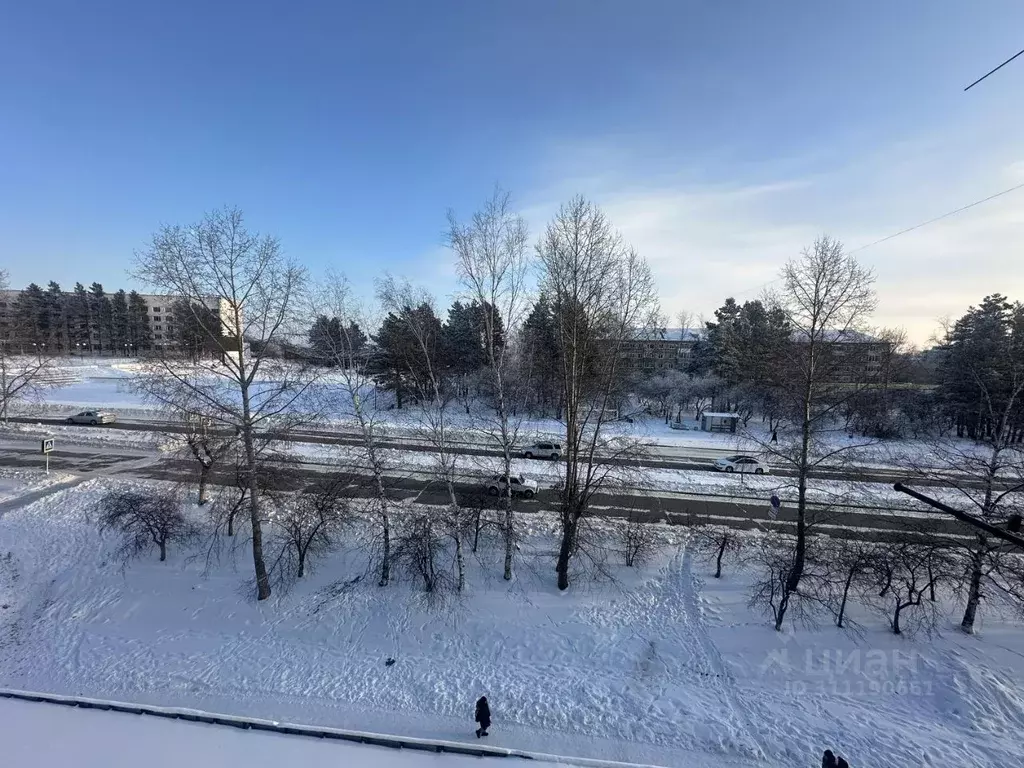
x: 483, y: 716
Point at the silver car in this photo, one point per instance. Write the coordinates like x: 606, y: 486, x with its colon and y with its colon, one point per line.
x: 520, y: 486
x: 543, y: 450
x: 92, y: 418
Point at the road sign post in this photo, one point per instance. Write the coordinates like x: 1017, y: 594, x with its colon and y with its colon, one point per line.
x: 45, y: 448
x: 775, y: 505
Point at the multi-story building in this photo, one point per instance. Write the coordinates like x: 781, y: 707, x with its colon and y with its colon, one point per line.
x: 654, y: 352
x: 85, y: 334
x: 857, y: 358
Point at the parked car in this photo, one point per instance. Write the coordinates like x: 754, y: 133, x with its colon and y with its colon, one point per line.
x: 543, y: 451
x: 520, y: 486
x: 92, y: 418
x: 741, y: 464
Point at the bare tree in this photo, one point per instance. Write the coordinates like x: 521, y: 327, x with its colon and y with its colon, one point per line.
x: 310, y: 524
x: 492, y: 263
x: 827, y: 297
x: 713, y: 542
x: 853, y: 563
x: 144, y: 520
x: 420, y: 552
x: 414, y: 307
x: 684, y: 318
x: 207, y: 445
x: 355, y: 387
x: 602, y: 295
x: 906, y: 572
x: 771, y: 556
x: 638, y: 541
x: 22, y: 377
x: 257, y: 291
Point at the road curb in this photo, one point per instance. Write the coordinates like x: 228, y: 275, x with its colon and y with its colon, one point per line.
x: 316, y: 732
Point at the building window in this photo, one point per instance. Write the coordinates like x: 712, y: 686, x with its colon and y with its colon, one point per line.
x: 158, y: 335
x: 156, y: 309
x: 158, y: 327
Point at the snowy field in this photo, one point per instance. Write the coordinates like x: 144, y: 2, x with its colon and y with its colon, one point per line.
x: 663, y: 666
x: 95, y: 739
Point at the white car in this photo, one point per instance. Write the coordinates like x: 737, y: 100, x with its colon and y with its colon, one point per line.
x: 741, y: 464
x: 543, y: 450
x: 92, y: 418
x: 520, y: 486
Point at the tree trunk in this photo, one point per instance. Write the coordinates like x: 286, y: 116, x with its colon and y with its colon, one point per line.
x: 204, y: 473
x: 302, y: 563
x: 718, y: 560
x: 896, y: 618
x: 163, y: 550
x: 385, y: 558
x: 260, y: 567
x: 460, y: 562
x: 842, y: 604
x: 974, y: 588
x: 565, y: 552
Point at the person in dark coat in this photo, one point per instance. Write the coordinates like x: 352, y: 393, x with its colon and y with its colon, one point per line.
x: 483, y: 716
x: 841, y: 762
x: 828, y: 760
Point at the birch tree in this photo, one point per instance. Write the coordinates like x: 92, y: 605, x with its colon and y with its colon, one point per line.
x: 602, y: 295
x: 415, y: 310
x: 258, y: 291
x: 827, y: 298
x: 492, y: 263
x: 345, y: 351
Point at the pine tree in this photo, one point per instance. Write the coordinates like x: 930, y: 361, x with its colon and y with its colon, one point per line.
x: 102, y: 317
x: 119, y: 322
x: 80, y: 314
x: 540, y: 353
x: 57, y: 317
x: 140, y: 335
x: 31, y: 318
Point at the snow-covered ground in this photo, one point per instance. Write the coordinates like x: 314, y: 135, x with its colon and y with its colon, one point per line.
x: 95, y: 739
x: 18, y: 482
x: 664, y: 666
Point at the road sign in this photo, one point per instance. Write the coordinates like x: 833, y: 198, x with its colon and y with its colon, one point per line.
x: 45, y: 447
x: 776, y: 504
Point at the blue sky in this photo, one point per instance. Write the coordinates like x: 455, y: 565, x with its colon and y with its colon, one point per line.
x: 719, y: 136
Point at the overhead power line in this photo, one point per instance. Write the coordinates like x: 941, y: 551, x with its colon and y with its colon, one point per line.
x: 902, y: 231
x: 939, y: 218
x: 1018, y: 53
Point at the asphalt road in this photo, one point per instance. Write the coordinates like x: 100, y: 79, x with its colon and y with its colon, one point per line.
x: 672, y: 508
x: 698, y: 459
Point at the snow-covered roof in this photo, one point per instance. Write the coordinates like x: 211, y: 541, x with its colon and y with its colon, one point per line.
x: 723, y: 415
x: 848, y: 336
x: 670, y: 334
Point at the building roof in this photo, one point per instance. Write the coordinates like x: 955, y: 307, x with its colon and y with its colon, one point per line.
x: 669, y: 334
x: 723, y: 415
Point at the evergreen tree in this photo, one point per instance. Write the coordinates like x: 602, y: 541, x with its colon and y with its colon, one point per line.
x: 56, y: 312
x: 398, y: 362
x: 119, y: 322
x: 464, y: 351
x: 31, y: 318
x: 102, y: 317
x: 331, y: 342
x: 80, y: 315
x: 540, y: 354
x: 140, y: 335
x: 196, y: 327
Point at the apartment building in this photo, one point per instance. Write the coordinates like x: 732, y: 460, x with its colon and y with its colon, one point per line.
x: 658, y: 351
x: 151, y: 323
